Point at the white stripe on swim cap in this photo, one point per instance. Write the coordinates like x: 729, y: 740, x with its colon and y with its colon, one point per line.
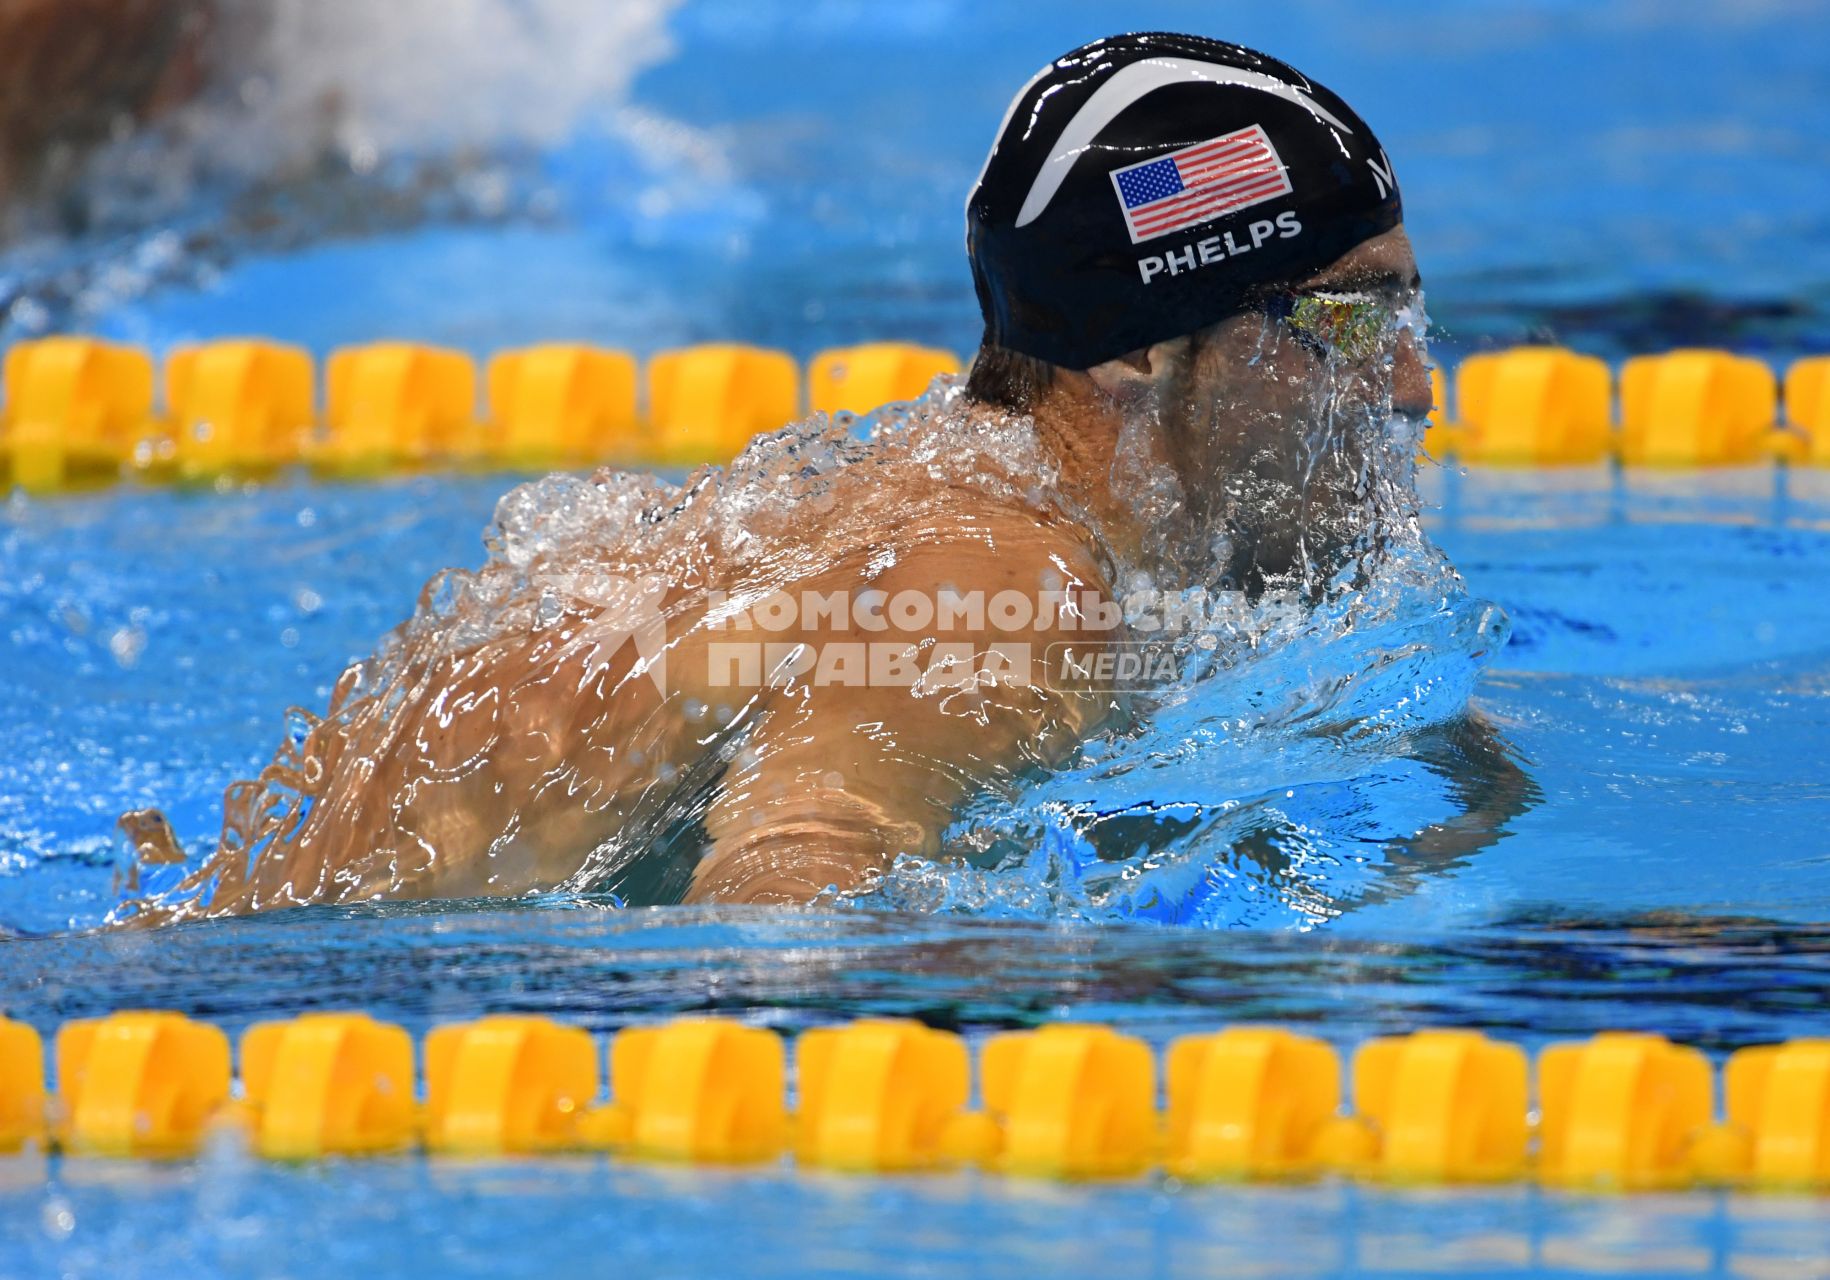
x: 998, y: 137
x: 1126, y: 87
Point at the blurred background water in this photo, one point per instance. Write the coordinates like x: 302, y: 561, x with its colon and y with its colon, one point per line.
x: 1621, y: 177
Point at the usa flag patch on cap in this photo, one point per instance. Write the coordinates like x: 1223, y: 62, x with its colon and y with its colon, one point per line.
x: 1198, y: 183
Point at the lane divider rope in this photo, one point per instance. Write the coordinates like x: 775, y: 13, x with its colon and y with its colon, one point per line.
x: 79, y: 412
x: 1621, y: 1111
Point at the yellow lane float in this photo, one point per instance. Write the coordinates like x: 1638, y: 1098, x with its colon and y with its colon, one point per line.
x: 397, y: 404
x: 1533, y: 406
x: 1696, y: 408
x: 329, y: 1084
x: 139, y: 1083
x: 706, y: 403
x: 74, y: 410
x: 563, y: 405
x: 237, y: 407
x: 859, y: 379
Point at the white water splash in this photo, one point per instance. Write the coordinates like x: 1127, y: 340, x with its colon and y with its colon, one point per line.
x: 377, y: 78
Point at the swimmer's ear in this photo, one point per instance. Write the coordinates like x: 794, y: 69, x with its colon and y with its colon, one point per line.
x: 1133, y: 378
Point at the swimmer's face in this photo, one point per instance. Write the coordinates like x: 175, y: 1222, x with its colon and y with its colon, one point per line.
x: 1266, y: 417
x: 1266, y: 388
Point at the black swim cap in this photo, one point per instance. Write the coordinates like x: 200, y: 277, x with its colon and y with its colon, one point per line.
x: 1145, y: 186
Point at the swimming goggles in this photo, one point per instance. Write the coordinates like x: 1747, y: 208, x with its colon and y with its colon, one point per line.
x: 1351, y: 325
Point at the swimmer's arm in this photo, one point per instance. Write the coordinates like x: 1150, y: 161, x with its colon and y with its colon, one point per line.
x: 835, y: 781
x: 1473, y: 754
x: 816, y: 802
x: 1483, y: 769
x: 829, y: 794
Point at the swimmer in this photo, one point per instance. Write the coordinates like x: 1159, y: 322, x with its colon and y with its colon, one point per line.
x: 73, y: 73
x: 1190, y: 259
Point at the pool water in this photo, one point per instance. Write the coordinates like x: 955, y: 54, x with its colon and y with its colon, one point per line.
x: 1665, y: 689
x: 786, y: 176
x: 1662, y: 691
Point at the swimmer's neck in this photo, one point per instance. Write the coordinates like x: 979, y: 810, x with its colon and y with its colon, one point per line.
x: 1081, y: 427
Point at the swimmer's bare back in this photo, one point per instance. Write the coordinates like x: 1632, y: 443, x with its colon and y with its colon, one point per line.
x: 508, y: 768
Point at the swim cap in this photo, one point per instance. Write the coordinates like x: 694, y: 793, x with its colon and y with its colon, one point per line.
x: 1145, y: 186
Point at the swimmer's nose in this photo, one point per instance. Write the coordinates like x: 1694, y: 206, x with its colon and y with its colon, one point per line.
x: 1410, y: 379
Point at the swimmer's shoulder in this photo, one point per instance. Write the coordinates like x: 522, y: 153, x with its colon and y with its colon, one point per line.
x: 949, y: 534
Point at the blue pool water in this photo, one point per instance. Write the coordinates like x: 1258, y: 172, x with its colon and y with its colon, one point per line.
x: 1647, y: 850
x: 1665, y: 690
x: 1625, y: 176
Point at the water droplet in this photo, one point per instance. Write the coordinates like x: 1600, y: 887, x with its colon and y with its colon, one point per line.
x: 58, y: 1218
x: 126, y: 645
